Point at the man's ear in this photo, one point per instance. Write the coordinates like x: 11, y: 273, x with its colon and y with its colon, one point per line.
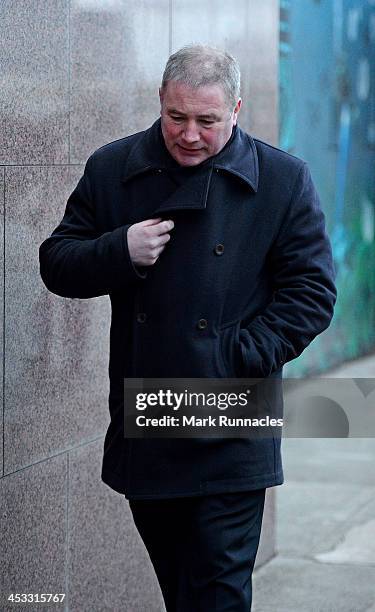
x: 161, y: 96
x: 236, y: 111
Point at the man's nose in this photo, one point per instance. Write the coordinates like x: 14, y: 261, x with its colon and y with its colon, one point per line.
x: 191, y: 132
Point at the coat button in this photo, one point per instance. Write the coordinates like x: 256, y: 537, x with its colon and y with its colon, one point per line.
x: 141, y: 317
x: 219, y: 249
x: 202, y: 324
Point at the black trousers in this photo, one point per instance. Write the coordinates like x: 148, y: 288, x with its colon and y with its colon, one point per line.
x: 203, y: 549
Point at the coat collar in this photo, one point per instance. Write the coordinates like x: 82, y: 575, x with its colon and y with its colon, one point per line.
x: 238, y: 158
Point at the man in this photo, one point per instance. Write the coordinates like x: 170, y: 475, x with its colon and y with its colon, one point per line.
x: 212, y: 248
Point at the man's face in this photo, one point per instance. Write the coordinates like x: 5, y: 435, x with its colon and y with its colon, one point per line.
x: 196, y: 122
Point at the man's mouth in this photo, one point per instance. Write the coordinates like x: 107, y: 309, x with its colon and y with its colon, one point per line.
x: 189, y: 150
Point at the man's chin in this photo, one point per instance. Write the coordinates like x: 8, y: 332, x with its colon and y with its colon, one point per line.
x: 189, y: 162
x: 189, y: 159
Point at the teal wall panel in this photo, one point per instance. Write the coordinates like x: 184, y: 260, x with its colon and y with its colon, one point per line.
x: 327, y: 117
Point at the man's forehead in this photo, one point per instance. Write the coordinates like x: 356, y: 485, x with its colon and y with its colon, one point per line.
x: 179, y: 88
x: 204, y: 114
x: 204, y: 100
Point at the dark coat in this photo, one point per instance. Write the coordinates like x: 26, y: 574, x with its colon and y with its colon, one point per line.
x: 265, y: 293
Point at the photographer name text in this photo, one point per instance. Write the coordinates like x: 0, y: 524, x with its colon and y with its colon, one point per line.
x: 209, y: 421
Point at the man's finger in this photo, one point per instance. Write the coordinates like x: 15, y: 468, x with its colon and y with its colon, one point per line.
x: 164, y: 227
x: 159, y: 250
x: 163, y: 239
x: 150, y: 222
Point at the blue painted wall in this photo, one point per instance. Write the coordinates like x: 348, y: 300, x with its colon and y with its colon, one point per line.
x: 327, y: 117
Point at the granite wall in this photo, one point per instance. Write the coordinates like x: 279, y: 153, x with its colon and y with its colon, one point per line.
x: 75, y: 75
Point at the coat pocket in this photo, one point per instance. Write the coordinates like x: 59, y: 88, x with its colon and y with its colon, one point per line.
x: 230, y: 351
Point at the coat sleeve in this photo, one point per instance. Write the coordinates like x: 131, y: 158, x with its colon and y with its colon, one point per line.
x: 304, y: 293
x: 77, y: 261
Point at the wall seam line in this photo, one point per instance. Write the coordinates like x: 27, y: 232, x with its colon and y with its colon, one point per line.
x: 69, y: 83
x: 51, y: 165
x: 170, y: 26
x: 3, y: 324
x: 67, y: 537
x: 64, y: 452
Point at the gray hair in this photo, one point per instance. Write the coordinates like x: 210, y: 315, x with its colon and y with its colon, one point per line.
x: 197, y: 65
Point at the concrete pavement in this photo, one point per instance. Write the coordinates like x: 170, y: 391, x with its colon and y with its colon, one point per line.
x: 325, y: 524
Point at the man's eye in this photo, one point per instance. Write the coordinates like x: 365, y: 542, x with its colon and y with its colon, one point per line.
x: 207, y: 122
x: 175, y: 118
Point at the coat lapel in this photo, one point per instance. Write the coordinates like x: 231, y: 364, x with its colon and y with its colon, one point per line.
x: 238, y: 158
x: 192, y: 194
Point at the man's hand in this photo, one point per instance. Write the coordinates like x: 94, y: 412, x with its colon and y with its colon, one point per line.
x: 147, y: 239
